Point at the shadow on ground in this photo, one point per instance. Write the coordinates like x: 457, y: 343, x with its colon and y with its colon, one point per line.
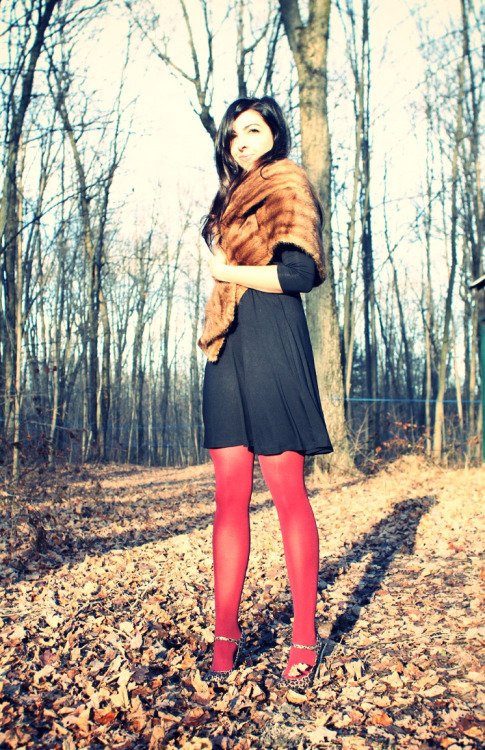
x: 391, y: 536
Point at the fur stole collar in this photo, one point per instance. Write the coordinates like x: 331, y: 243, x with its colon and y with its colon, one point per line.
x: 273, y: 204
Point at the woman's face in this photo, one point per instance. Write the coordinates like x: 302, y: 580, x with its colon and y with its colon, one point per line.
x: 251, y: 138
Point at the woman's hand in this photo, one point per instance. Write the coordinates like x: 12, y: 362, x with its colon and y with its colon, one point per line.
x: 261, y: 278
x: 217, y: 263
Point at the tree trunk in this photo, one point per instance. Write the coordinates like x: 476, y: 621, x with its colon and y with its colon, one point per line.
x: 195, y: 395
x: 98, y: 399
x: 349, y: 313
x: 429, y: 305
x: 474, y: 214
x: 18, y: 341
x: 367, y: 250
x: 9, y: 221
x: 105, y: 394
x: 445, y: 343
x: 309, y: 45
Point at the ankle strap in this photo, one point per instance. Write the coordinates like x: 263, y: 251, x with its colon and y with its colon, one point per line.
x: 308, y: 648
x: 223, y: 638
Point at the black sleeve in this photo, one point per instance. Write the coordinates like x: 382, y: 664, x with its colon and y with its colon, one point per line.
x: 296, y: 270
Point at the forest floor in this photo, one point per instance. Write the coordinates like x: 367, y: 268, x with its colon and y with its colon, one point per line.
x: 106, y: 630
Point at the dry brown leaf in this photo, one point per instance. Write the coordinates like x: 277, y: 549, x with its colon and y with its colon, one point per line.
x: 476, y: 676
x: 461, y: 687
x: 53, y: 620
x: 18, y: 634
x: 475, y: 732
x: 188, y: 662
x: 104, y: 716
x: 137, y: 641
x: 124, y: 677
x: 447, y: 741
x: 434, y: 691
x: 298, y: 669
x: 394, y: 680
x: 297, y: 698
x: 356, y: 717
x: 380, y: 718
x: 81, y: 720
x: 199, y: 685
x: 195, y: 716
x: 157, y: 737
x: 427, y: 680
x: 197, y: 743
x: 43, y: 673
x: 243, y: 744
x: 136, y: 616
x: 321, y: 734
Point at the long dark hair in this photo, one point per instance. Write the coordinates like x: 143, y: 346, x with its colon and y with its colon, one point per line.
x: 230, y: 173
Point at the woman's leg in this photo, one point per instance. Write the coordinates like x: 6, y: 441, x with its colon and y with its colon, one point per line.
x: 230, y: 543
x: 283, y: 473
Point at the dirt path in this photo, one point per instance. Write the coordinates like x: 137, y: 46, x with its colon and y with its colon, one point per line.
x: 103, y: 637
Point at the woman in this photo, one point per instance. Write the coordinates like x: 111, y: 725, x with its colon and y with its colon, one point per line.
x: 260, y: 389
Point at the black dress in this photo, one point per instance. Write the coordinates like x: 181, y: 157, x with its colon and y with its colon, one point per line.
x: 262, y: 392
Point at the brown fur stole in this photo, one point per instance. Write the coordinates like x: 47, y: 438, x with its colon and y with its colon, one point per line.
x: 273, y: 204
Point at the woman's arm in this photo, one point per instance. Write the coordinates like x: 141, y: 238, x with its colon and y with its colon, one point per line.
x: 261, y: 278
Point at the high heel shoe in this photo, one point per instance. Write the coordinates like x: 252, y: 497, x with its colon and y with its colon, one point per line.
x: 305, y: 680
x: 221, y: 677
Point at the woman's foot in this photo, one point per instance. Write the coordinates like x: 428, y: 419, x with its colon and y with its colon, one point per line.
x: 224, y: 652
x: 302, y: 665
x: 299, y: 658
x: 225, y: 659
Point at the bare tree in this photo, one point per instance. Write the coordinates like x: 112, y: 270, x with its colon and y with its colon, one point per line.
x: 309, y: 45
x: 195, y: 380
x: 202, y: 82
x: 472, y: 200
x: 359, y: 59
x: 201, y: 74
x: 445, y: 342
x: 93, y: 222
x: 408, y: 361
x: 370, y: 334
x: 25, y: 23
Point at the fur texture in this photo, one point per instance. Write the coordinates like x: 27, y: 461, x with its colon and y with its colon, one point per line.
x: 272, y: 205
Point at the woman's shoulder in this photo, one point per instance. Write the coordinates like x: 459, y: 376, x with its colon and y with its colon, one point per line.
x: 283, y: 167
x: 269, y: 182
x: 285, y: 174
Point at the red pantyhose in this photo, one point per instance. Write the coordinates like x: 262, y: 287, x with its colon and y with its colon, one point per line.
x: 283, y: 473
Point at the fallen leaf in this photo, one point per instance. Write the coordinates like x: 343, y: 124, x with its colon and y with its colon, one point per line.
x: 157, y: 737
x: 321, y: 734
x: 199, y: 685
x: 380, y: 718
x: 104, y: 716
x: 53, y: 620
x: 474, y: 732
x: 355, y: 669
x: 432, y: 692
x: 123, y: 661
x: 198, y: 743
x: 18, y: 633
x: 394, y: 680
x: 195, y: 716
x: 43, y: 673
x: 137, y: 641
x: 297, y: 698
